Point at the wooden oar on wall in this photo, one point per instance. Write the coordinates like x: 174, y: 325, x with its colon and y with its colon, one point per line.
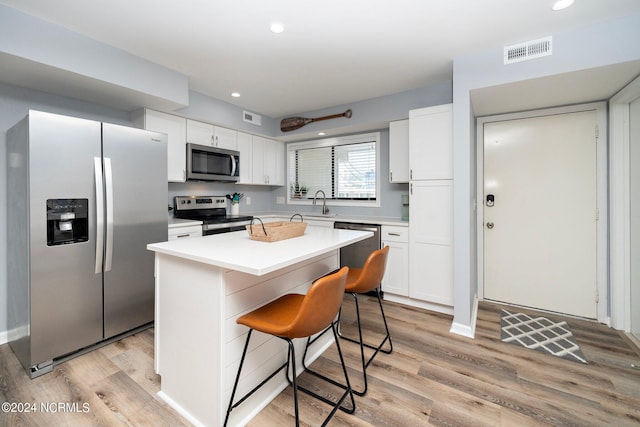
x: 293, y: 123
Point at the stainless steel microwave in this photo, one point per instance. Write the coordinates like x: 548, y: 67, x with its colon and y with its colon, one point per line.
x: 206, y: 163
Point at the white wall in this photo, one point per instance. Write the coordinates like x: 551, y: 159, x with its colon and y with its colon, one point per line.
x: 579, y: 49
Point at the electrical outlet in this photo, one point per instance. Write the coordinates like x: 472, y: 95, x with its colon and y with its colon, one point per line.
x: 248, y: 200
x: 280, y: 200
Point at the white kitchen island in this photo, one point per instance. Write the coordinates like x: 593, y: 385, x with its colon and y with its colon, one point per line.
x: 202, y: 286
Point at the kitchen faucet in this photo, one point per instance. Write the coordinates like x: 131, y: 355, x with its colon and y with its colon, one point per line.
x: 325, y: 209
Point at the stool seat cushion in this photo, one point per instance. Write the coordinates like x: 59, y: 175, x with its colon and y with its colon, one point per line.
x: 300, y: 316
x: 367, y: 278
x: 354, y: 284
x: 276, y: 317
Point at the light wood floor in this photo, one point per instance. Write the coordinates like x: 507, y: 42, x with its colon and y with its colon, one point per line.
x: 432, y: 378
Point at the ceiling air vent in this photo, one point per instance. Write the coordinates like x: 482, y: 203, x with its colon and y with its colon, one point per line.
x: 252, y: 118
x: 527, y: 50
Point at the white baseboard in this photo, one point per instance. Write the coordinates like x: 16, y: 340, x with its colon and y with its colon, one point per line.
x: 4, y: 337
x: 438, y: 308
x: 13, y: 334
x: 468, y: 331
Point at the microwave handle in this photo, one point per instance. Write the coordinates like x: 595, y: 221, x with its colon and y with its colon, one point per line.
x: 234, y: 165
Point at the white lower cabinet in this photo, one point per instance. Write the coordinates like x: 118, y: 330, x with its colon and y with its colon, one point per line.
x: 186, y: 232
x: 396, y: 276
x: 431, y: 242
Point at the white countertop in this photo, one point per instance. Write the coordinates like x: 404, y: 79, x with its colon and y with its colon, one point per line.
x: 236, y: 251
x: 335, y: 218
x: 179, y: 222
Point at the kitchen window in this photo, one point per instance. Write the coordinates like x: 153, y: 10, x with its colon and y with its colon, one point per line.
x: 345, y: 168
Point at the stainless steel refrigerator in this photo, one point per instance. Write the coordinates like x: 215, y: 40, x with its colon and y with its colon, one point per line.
x: 84, y: 200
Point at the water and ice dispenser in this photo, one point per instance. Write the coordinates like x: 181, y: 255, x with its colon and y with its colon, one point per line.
x: 67, y: 221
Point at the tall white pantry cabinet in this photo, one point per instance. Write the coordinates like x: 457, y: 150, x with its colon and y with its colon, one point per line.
x: 431, y: 207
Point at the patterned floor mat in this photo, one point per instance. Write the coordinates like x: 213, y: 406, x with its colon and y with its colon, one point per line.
x: 540, y: 333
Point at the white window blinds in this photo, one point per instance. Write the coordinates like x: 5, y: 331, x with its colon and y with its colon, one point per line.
x: 343, y: 169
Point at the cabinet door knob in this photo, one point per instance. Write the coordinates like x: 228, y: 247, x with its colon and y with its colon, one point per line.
x: 490, y: 225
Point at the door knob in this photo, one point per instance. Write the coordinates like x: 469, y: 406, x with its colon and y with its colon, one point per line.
x: 490, y: 225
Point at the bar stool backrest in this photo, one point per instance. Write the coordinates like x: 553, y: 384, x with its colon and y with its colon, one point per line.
x: 320, y: 306
x: 372, y: 272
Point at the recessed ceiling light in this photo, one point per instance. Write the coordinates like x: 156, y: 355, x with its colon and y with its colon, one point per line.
x: 276, y: 28
x: 235, y: 94
x: 321, y: 133
x: 562, y: 4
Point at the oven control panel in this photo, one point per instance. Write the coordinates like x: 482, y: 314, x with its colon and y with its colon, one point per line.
x: 182, y: 203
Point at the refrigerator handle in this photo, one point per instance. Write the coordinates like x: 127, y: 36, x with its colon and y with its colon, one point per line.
x: 108, y: 181
x: 97, y: 168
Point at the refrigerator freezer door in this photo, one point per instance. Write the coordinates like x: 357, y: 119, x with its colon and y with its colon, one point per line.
x: 138, y: 202
x: 65, y: 292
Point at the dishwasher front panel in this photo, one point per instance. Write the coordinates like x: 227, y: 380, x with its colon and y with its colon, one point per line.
x: 357, y: 253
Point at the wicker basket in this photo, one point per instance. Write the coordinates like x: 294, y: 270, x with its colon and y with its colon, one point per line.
x: 275, y: 231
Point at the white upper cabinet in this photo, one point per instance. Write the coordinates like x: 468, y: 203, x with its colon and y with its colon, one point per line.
x: 225, y: 138
x: 431, y: 142
x: 199, y: 133
x: 245, y: 147
x: 261, y: 159
x: 268, y: 160
x: 213, y: 136
x: 175, y: 128
x: 274, y: 162
x: 399, y: 151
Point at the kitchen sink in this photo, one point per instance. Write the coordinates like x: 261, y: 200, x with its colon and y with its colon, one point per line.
x: 329, y: 215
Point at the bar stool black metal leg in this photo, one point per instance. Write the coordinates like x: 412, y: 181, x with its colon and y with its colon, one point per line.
x: 292, y: 360
x: 235, y: 384
x: 386, y: 326
x: 360, y: 341
x: 348, y: 391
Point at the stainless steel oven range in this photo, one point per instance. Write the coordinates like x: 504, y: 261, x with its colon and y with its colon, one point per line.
x: 212, y: 211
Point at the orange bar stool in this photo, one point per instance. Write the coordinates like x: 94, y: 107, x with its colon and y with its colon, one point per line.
x: 360, y: 281
x: 299, y: 316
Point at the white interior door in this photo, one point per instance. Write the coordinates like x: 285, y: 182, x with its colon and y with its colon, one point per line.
x: 634, y: 213
x: 540, y: 216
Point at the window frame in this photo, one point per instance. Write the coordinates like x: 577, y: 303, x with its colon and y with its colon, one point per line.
x: 329, y: 142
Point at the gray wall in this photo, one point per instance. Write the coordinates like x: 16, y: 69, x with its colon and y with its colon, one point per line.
x: 212, y: 110
x: 60, y: 59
